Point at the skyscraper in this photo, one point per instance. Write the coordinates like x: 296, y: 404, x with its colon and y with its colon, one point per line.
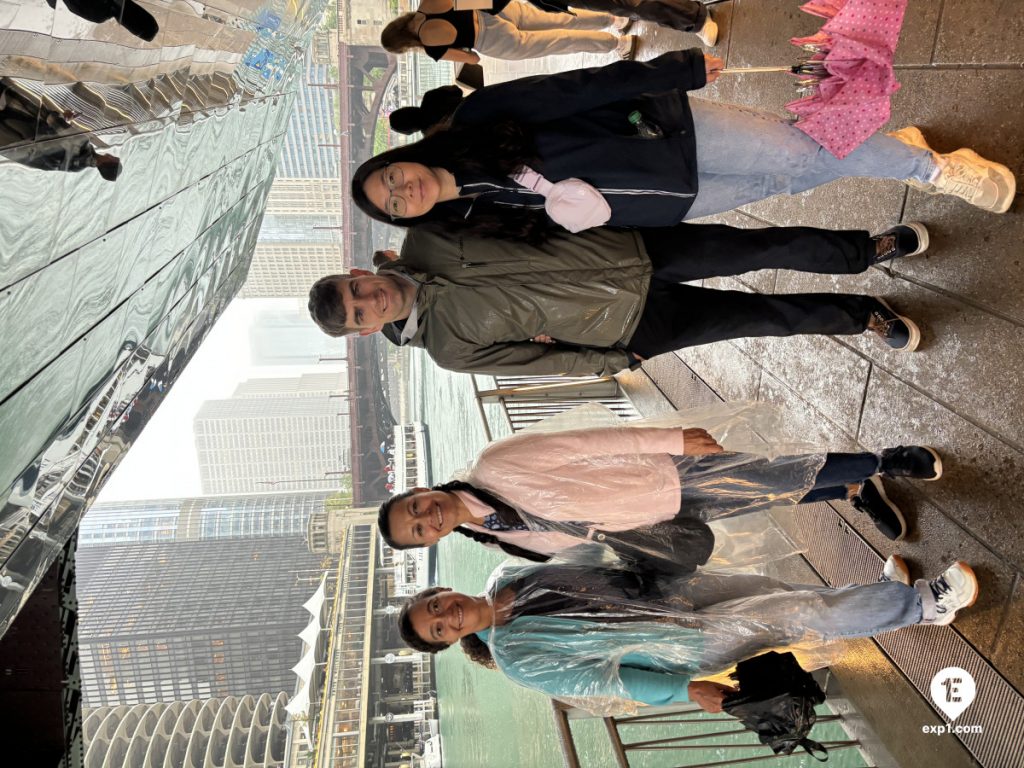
x: 247, y: 445
x: 306, y: 385
x: 173, y: 621
x: 289, y: 337
x: 312, y: 123
x: 204, y: 517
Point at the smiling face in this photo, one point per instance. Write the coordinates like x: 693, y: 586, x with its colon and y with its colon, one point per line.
x: 425, y: 517
x: 372, y: 301
x: 403, y: 190
x: 448, y: 616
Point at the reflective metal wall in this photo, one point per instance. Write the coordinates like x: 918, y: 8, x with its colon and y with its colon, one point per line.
x: 108, y: 285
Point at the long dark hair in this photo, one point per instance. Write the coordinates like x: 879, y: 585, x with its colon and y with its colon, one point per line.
x: 494, y: 150
x: 506, y: 514
x: 472, y: 645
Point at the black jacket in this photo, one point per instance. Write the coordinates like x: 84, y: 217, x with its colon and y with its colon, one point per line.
x: 580, y: 126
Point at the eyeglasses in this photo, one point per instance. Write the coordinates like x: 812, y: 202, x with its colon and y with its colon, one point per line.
x: 394, y: 179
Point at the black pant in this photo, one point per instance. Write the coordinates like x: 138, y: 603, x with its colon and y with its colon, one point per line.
x: 676, y: 316
x: 684, y: 15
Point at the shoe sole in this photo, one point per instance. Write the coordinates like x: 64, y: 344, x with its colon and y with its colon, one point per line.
x: 915, y: 332
x: 896, y: 510
x: 1002, y: 170
x: 923, y: 240
x: 938, y: 465
x: 974, y: 579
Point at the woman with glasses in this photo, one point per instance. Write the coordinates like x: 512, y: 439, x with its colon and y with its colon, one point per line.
x: 522, y: 157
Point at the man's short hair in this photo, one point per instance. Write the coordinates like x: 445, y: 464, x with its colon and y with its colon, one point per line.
x: 325, y: 306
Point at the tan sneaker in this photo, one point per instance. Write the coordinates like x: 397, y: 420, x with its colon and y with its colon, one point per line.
x: 912, y: 137
x: 626, y: 48
x: 708, y: 34
x: 967, y: 175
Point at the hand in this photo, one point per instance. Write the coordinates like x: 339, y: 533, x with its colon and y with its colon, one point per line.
x: 697, y: 442
x: 713, y: 67
x: 542, y: 338
x: 708, y: 695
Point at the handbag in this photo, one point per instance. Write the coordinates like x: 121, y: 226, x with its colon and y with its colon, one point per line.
x: 776, y: 700
x: 571, y: 203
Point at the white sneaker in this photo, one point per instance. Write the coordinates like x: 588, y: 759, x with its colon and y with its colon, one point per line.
x: 967, y: 175
x: 895, y: 569
x: 626, y: 48
x: 955, y: 589
x: 708, y: 34
x: 912, y: 137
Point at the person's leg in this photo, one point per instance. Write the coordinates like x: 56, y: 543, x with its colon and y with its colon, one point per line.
x: 677, y: 316
x: 721, y: 485
x: 745, y: 155
x: 528, y: 17
x: 688, y: 252
x: 854, y: 611
x: 684, y: 15
x: 500, y: 39
x: 840, y: 471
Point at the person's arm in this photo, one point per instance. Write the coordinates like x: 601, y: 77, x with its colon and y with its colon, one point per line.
x: 460, y: 56
x: 559, y: 448
x: 527, y: 357
x: 654, y: 688
x: 549, y: 97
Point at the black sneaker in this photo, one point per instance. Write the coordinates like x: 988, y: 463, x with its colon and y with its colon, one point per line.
x: 909, y: 239
x: 917, y: 461
x: 872, y: 501
x: 897, y: 331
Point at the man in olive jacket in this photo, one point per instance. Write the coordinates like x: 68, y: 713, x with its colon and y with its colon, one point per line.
x: 602, y: 300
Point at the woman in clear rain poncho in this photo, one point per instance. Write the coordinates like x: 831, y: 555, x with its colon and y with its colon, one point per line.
x: 601, y: 638
x: 647, y: 493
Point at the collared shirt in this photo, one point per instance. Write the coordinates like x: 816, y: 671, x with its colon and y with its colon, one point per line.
x: 409, y: 326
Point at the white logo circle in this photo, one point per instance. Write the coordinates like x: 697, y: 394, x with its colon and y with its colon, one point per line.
x: 953, y: 690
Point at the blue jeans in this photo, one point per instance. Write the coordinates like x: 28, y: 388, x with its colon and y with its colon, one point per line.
x: 839, y: 471
x: 745, y: 155
x: 743, y: 615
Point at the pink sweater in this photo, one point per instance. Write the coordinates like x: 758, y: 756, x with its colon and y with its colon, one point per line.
x: 615, y: 478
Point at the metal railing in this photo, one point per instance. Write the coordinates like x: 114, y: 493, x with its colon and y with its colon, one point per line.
x: 526, y: 400
x: 707, y: 737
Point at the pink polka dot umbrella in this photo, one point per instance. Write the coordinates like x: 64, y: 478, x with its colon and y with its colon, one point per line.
x: 848, y: 78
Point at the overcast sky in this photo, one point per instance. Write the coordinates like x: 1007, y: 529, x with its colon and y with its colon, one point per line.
x: 162, y: 463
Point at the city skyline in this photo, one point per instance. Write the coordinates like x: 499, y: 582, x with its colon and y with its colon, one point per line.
x: 181, y: 620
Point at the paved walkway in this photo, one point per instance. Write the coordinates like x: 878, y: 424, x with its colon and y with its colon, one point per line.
x: 963, y: 84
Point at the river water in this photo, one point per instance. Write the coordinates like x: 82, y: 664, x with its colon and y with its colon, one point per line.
x: 485, y: 720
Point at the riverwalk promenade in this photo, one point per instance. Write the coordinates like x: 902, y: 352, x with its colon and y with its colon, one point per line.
x: 962, y: 70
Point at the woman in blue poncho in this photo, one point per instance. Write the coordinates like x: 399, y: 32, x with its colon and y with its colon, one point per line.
x: 592, y: 635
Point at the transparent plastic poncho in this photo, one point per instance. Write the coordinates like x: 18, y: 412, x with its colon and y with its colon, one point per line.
x: 607, y: 640
x: 593, y: 488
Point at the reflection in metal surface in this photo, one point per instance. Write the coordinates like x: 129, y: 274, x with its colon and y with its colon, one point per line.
x: 107, y: 287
